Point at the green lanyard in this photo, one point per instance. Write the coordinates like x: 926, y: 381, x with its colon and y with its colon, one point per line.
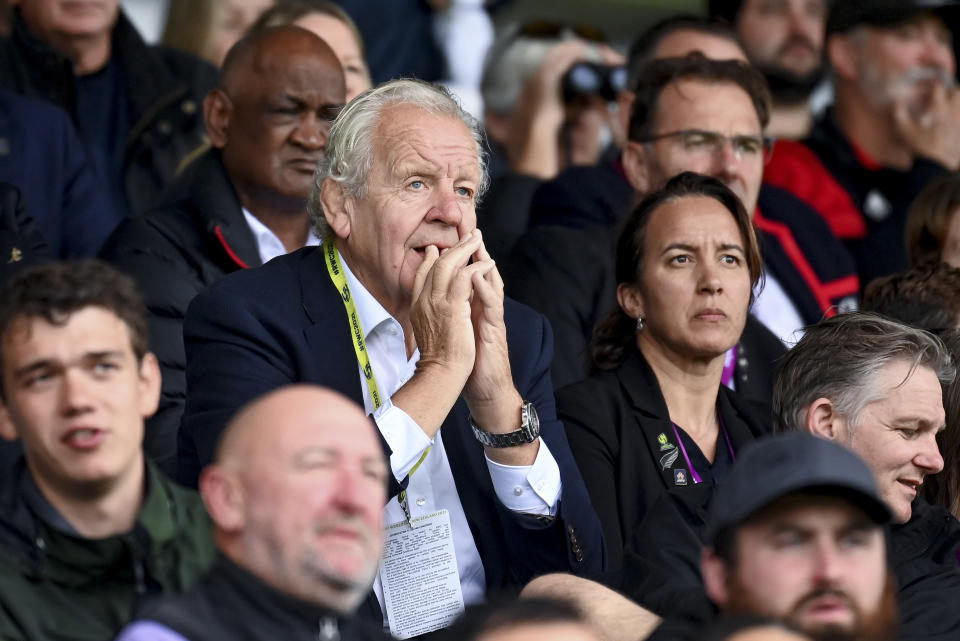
x: 360, y: 346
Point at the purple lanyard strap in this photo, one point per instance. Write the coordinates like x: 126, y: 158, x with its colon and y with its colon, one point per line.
x: 683, y: 450
x: 729, y: 365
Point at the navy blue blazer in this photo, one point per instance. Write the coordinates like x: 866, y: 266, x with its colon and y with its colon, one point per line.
x: 259, y: 329
x: 41, y: 154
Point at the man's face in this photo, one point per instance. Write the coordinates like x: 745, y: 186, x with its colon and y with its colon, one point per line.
x: 721, y: 108
x: 818, y: 562
x: 421, y: 191
x: 76, y: 396
x: 314, y: 487
x: 896, y: 435
x: 56, y: 19
x: 280, y: 121
x: 784, y: 38
x: 903, y: 63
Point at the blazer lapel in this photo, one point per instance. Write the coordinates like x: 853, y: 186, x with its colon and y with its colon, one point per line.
x: 653, y: 421
x: 328, y: 334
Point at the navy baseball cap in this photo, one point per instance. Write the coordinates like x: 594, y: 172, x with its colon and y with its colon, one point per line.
x: 774, y: 467
x: 846, y: 14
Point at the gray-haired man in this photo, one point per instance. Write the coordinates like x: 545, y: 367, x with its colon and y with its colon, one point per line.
x: 402, y: 310
x: 874, y: 386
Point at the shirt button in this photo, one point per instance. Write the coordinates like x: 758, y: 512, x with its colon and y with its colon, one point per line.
x: 541, y: 485
x: 421, y: 501
x: 393, y: 331
x: 517, y: 491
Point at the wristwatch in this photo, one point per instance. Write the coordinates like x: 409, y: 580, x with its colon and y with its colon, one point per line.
x: 529, y: 430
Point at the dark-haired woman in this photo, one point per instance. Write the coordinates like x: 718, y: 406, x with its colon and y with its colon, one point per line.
x: 654, y: 417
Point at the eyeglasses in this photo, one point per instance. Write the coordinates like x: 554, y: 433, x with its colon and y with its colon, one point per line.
x: 702, y: 142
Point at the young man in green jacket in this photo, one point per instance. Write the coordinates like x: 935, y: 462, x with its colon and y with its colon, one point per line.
x: 89, y: 528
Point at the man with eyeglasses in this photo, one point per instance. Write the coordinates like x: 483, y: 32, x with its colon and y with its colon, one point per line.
x: 239, y: 204
x: 894, y: 125
x: 707, y: 116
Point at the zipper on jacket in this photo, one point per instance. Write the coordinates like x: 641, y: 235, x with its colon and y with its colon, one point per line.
x: 329, y: 631
x: 141, y: 585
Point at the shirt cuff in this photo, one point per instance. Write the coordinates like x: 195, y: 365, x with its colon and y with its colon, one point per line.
x: 407, y: 441
x: 532, y: 489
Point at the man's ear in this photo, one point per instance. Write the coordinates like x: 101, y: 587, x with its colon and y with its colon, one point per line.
x: 843, y: 54
x: 8, y: 429
x: 630, y: 300
x: 714, y: 572
x: 217, y: 110
x: 223, y: 497
x: 337, y: 207
x: 149, y: 385
x: 636, y: 167
x: 823, y: 420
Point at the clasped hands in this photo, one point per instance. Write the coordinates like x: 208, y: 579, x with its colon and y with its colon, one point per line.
x: 457, y: 319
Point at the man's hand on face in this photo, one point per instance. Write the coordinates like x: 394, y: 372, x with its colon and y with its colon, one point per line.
x: 441, y: 309
x: 935, y: 133
x: 490, y: 377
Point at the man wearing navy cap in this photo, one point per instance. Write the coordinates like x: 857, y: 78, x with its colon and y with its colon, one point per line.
x: 796, y: 533
x: 895, y: 124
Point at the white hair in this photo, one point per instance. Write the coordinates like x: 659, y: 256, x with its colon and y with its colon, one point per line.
x: 350, y: 147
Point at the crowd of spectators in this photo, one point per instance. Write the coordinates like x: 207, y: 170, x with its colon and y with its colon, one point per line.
x: 359, y: 319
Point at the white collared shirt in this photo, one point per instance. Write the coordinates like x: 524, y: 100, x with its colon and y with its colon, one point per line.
x: 533, y: 489
x: 268, y: 245
x: 776, y: 311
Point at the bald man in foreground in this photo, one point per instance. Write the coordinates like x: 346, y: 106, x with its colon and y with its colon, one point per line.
x: 239, y: 204
x: 296, y: 496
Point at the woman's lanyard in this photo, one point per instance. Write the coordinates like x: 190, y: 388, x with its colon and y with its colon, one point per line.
x: 729, y: 366
x: 683, y: 449
x: 360, y: 346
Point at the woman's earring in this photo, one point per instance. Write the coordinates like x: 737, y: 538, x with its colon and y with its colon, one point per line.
x: 639, y: 323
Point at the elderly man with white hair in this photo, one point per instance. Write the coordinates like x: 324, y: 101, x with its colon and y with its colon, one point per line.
x: 402, y: 309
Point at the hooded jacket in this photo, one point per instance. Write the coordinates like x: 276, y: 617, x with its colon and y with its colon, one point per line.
x: 57, y: 585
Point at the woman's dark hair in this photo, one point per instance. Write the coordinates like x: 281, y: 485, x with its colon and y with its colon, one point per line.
x: 928, y: 220
x: 614, y: 336
x: 943, y: 489
x: 926, y: 297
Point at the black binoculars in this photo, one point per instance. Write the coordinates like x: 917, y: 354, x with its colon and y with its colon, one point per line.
x: 586, y: 79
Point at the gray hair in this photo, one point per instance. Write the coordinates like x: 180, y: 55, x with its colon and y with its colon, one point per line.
x: 840, y: 359
x: 350, y: 147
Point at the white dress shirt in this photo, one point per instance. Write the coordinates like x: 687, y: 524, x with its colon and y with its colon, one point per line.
x: 268, y: 245
x: 776, y: 311
x: 533, y: 489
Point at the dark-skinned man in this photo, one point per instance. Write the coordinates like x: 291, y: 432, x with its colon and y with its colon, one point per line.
x: 244, y: 201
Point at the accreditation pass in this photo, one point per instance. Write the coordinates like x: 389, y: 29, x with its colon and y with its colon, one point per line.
x: 421, y: 583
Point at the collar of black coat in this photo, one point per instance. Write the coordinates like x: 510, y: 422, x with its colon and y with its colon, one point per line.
x: 243, y: 591
x: 214, y: 200
x: 51, y: 552
x: 150, y: 85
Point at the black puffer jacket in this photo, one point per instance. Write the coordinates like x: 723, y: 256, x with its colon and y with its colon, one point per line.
x: 174, y: 253
x: 165, y: 89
